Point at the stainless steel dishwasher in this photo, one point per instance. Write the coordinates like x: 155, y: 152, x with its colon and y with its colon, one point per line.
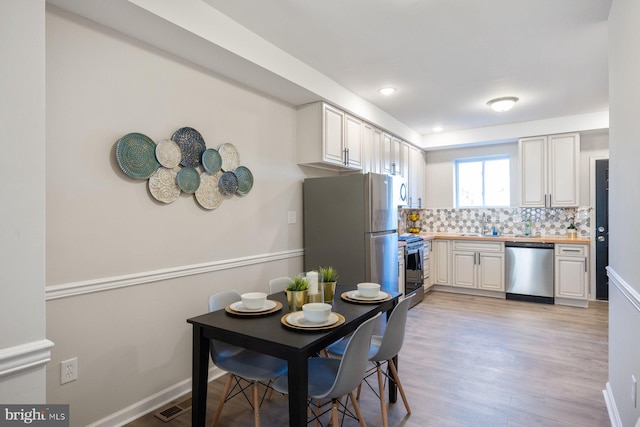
x: 529, y: 271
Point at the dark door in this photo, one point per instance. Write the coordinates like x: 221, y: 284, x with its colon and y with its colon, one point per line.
x: 602, y: 229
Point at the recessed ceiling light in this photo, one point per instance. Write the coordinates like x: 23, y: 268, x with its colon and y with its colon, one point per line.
x: 387, y: 90
x: 503, y: 104
x: 438, y: 129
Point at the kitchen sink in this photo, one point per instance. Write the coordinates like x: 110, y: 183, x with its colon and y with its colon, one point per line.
x: 478, y: 235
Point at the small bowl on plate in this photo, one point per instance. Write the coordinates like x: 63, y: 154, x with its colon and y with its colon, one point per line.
x: 254, y: 300
x: 368, y: 290
x: 316, y: 312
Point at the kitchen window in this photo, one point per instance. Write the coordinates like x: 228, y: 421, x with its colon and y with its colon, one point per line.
x: 482, y: 182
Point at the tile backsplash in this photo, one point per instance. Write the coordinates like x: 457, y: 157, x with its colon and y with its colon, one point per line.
x: 545, y: 222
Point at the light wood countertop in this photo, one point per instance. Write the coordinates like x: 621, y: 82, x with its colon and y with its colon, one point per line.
x: 507, y: 238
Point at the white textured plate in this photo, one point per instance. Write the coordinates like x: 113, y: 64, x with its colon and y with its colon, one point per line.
x: 230, y: 157
x: 239, y: 307
x: 168, y: 153
x: 163, y: 185
x: 297, y: 319
x: 208, y: 194
x: 356, y: 295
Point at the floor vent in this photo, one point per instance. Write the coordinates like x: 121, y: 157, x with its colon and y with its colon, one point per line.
x: 175, y: 409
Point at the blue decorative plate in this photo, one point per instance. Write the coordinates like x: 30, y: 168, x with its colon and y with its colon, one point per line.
x: 136, y: 154
x: 245, y: 180
x: 228, y: 183
x: 188, y: 180
x: 211, y: 160
x: 192, y: 145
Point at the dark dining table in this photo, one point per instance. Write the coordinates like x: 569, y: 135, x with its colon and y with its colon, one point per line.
x: 266, y: 334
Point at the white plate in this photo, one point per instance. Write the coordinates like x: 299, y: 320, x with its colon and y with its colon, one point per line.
x: 239, y: 306
x: 297, y: 319
x: 356, y: 295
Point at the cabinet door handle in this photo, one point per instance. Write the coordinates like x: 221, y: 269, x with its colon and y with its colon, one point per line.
x: 420, y: 202
x: 550, y: 202
x: 585, y: 264
x: 348, y: 157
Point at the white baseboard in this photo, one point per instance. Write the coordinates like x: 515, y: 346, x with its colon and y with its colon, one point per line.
x: 151, y: 403
x: 614, y: 416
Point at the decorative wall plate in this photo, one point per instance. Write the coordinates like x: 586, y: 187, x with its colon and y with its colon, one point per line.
x: 168, y: 153
x: 230, y: 157
x: 188, y: 180
x: 191, y: 144
x: 136, y: 156
x: 208, y: 194
x: 245, y: 180
x: 163, y: 185
x: 228, y: 183
x: 211, y: 160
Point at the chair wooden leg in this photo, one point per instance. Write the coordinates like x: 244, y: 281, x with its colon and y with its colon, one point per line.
x: 383, y: 403
x: 256, y: 404
x: 225, y: 392
x: 334, y: 413
x: 359, y: 390
x: 356, y: 407
x: 396, y: 377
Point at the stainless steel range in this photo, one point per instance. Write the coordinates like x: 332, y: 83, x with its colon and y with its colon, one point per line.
x: 414, y: 266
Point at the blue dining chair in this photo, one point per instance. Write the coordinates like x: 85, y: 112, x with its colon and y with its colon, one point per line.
x: 331, y: 378
x: 242, y: 364
x: 383, y: 349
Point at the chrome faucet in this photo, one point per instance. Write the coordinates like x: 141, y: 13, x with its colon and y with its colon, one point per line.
x: 483, y: 224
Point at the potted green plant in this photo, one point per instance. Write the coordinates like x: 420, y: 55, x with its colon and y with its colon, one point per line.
x: 297, y: 293
x: 329, y: 277
x: 572, y: 231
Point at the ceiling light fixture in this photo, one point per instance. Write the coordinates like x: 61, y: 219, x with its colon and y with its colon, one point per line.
x: 503, y: 104
x: 438, y: 129
x: 387, y: 90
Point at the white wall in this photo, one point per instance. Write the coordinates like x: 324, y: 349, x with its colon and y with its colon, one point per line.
x: 624, y: 202
x: 22, y: 191
x: 440, y: 168
x: 133, y: 342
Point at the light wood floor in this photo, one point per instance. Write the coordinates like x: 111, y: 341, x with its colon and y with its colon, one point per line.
x: 477, y: 361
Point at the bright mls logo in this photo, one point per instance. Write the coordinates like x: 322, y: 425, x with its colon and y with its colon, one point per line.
x: 34, y: 415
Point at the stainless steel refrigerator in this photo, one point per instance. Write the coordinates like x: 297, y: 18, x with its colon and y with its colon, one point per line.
x: 350, y: 223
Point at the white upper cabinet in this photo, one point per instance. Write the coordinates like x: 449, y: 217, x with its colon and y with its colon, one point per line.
x: 387, y: 154
x: 329, y: 138
x: 550, y: 170
x: 353, y: 141
x: 371, y: 146
x: 416, y: 180
x: 404, y: 161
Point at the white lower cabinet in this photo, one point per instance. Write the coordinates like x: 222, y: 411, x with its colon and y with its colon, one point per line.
x: 401, y: 269
x: 426, y: 265
x: 441, y: 262
x: 571, y: 274
x: 478, y: 265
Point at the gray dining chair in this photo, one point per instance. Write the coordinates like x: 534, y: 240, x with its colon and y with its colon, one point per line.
x: 331, y: 378
x: 242, y: 364
x: 279, y: 284
x: 383, y: 349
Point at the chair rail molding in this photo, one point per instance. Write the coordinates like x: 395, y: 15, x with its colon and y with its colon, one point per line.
x: 107, y: 283
x: 24, y: 356
x: 626, y: 289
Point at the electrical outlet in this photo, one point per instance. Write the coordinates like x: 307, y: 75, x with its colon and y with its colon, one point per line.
x: 69, y: 370
x: 634, y: 391
x: 291, y: 217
